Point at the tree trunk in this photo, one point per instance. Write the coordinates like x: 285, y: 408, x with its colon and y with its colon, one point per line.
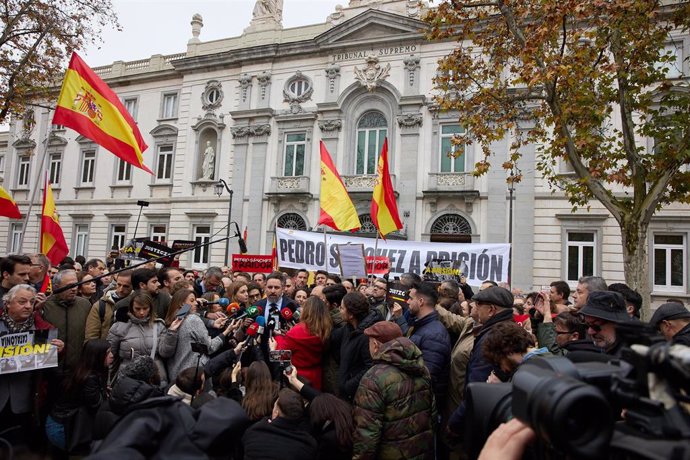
x: 635, y: 261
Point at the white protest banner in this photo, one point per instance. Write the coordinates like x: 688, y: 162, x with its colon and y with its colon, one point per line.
x: 28, y: 351
x: 298, y: 249
x: 351, y: 258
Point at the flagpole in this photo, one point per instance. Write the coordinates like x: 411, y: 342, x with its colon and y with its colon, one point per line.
x: 33, y: 197
x: 325, y: 247
x: 373, y: 260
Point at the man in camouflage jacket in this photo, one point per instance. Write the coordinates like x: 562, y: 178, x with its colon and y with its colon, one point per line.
x: 394, y: 405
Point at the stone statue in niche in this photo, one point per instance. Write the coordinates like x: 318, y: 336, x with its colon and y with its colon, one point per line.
x: 209, y: 163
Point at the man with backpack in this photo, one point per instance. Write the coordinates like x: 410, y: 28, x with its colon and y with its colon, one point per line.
x: 101, y: 315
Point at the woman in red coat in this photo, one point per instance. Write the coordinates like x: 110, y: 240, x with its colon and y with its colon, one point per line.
x: 307, y: 340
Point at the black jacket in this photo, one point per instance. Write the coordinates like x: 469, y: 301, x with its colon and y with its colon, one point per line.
x: 351, y: 348
x: 682, y: 337
x: 432, y: 338
x: 166, y: 428
x: 478, y: 368
x: 126, y: 394
x: 278, y: 439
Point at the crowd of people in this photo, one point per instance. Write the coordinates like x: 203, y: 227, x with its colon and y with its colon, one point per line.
x: 172, y: 363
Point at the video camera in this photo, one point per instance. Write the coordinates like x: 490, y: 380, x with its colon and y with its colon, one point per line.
x: 575, y: 407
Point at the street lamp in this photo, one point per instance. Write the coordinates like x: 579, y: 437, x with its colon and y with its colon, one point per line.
x: 218, y: 189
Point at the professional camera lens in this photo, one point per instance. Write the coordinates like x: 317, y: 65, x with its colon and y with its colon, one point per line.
x: 570, y: 416
x: 487, y: 405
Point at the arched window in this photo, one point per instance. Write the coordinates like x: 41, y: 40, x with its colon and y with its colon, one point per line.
x: 451, y: 224
x: 372, y: 129
x: 291, y: 221
x: 367, y: 224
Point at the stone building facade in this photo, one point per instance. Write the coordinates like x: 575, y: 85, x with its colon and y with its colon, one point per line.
x: 263, y: 101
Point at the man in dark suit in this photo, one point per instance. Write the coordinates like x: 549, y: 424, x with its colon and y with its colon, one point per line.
x: 275, y: 299
x: 272, y: 304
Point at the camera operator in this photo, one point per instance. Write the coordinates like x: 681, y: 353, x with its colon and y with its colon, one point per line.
x: 603, y: 311
x: 673, y: 321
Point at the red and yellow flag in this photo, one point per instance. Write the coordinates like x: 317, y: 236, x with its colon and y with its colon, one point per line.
x: 8, y: 207
x: 274, y: 254
x: 384, y: 209
x: 337, y: 210
x: 88, y: 106
x: 53, y: 243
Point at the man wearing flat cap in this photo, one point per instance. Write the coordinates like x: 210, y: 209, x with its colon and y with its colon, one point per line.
x: 673, y: 321
x: 393, y: 406
x: 602, y: 313
x: 494, y: 305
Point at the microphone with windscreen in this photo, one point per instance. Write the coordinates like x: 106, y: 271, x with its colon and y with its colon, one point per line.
x: 240, y: 241
x: 261, y: 321
x: 223, y: 302
x: 233, y: 309
x: 252, y: 332
x: 286, y: 314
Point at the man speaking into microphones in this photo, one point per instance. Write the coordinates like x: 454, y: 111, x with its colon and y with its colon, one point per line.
x: 272, y: 305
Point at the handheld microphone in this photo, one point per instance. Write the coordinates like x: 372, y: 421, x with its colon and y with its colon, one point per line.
x: 253, y: 311
x: 252, y: 333
x: 233, y: 309
x: 296, y: 315
x: 286, y: 314
x: 240, y: 241
x: 261, y: 321
x: 223, y: 302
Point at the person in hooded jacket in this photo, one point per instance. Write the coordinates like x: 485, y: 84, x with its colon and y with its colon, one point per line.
x: 143, y: 334
x: 350, y: 345
x: 394, y: 408
x: 136, y: 382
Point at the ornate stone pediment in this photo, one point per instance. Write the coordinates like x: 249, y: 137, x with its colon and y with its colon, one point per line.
x: 372, y: 26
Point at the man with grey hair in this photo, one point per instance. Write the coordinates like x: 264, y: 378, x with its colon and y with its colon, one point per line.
x: 17, y: 389
x: 213, y: 281
x: 585, y: 286
x: 67, y: 312
x: 39, y: 269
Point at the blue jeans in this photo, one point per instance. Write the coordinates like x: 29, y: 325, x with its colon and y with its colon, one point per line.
x: 55, y: 431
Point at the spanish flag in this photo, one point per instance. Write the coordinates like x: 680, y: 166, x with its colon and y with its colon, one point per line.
x: 88, y: 106
x: 337, y: 210
x: 384, y: 209
x: 53, y: 243
x: 8, y: 207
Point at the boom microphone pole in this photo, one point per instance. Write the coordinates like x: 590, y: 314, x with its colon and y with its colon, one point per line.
x: 153, y: 259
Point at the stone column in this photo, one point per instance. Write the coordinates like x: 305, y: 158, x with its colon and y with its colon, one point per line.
x: 257, y: 175
x: 240, y: 135
x: 405, y: 166
x: 523, y: 220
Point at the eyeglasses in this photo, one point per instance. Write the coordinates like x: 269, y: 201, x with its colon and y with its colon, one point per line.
x: 596, y: 327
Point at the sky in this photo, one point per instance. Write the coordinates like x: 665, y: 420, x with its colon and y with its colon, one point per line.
x: 162, y: 26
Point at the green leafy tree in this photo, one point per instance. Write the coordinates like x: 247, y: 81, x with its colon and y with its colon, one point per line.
x: 37, y: 38
x: 588, y: 80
